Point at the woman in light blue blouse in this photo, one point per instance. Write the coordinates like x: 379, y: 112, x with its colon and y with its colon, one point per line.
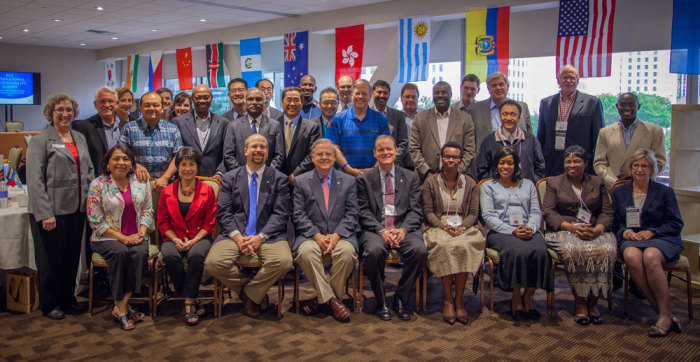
x: 510, y: 209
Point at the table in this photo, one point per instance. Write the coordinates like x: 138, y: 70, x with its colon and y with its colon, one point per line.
x: 16, y: 243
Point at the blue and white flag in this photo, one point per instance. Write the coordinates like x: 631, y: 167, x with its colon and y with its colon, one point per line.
x: 685, y: 37
x: 251, y: 62
x: 414, y: 48
x: 296, y: 57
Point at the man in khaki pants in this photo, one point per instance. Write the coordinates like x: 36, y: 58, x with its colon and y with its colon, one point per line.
x: 253, y: 210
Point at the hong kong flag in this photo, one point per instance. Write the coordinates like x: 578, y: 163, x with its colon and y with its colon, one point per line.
x: 349, y: 42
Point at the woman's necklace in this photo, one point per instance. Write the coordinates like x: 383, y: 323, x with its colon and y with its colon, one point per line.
x: 186, y: 192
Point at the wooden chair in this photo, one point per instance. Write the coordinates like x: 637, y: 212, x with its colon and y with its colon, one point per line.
x: 326, y: 261
x: 15, y: 157
x: 14, y: 126
x: 394, y: 257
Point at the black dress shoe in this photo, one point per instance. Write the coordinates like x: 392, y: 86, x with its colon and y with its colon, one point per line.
x: 582, y: 320
x: 76, y: 307
x: 519, y: 315
x: 401, y: 311
x: 595, y: 319
x: 56, y: 314
x: 534, y: 314
x: 383, y: 312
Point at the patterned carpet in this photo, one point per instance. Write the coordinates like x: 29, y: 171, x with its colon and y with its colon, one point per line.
x: 489, y: 336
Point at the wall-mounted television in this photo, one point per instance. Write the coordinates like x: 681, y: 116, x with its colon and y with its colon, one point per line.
x: 20, y: 88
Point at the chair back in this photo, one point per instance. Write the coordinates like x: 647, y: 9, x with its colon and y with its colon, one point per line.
x: 541, y: 188
x: 618, y: 183
x: 14, y: 156
x: 14, y: 126
x: 211, y: 182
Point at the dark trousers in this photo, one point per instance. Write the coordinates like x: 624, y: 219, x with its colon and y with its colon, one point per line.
x: 374, y: 251
x: 125, y: 265
x: 57, y: 254
x: 186, y: 282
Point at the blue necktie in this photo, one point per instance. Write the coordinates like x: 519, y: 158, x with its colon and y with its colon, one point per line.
x: 253, y: 209
x: 255, y: 130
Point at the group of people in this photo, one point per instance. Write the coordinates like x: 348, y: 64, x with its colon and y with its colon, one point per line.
x: 356, y: 180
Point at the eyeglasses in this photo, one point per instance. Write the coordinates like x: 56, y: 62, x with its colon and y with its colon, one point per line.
x: 63, y: 110
x: 451, y: 157
x: 643, y: 167
x: 329, y: 103
x: 324, y: 154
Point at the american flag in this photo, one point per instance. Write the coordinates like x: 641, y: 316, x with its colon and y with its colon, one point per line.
x: 584, y: 39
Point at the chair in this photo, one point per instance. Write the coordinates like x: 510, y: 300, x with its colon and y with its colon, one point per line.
x: 14, y: 157
x: 326, y: 261
x: 394, y: 257
x: 14, y: 126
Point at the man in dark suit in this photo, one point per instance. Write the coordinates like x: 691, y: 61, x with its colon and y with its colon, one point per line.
x: 390, y: 215
x: 325, y: 213
x: 238, y: 130
x: 204, y: 131
x: 299, y: 133
x: 253, y: 209
x: 237, y: 88
x: 568, y: 118
x: 396, y: 119
x: 102, y: 130
x: 267, y: 87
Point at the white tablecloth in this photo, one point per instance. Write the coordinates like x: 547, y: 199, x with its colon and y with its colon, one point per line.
x: 16, y: 243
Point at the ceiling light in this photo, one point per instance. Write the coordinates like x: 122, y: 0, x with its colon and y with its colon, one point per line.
x: 82, y: 44
x: 25, y: 30
x: 99, y: 8
x: 114, y: 38
x: 0, y: 37
x: 203, y: 20
x: 154, y: 30
x: 57, y: 20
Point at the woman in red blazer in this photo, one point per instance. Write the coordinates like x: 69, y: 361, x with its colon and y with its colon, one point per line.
x: 186, y: 217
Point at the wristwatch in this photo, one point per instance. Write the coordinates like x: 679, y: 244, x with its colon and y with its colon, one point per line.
x: 263, y: 237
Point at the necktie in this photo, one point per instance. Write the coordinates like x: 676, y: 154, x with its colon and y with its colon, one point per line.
x: 288, y: 134
x: 326, y: 191
x: 388, y: 200
x: 255, y: 130
x: 250, y: 228
x: 345, y: 106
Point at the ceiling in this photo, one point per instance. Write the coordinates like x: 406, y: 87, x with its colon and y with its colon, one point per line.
x: 67, y: 23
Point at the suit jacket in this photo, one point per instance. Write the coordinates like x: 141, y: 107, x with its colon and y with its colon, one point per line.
x: 398, y: 130
x: 106, y: 205
x: 659, y: 214
x: 234, y: 142
x: 481, y: 116
x: 613, y: 159
x: 213, y: 152
x: 561, y: 203
x: 583, y: 125
x: 425, y: 143
x: 407, y: 203
x: 94, y: 132
x: 298, y: 159
x: 274, y: 113
x: 201, y: 214
x: 272, y: 207
x: 310, y: 216
x: 52, y: 175
x: 229, y: 115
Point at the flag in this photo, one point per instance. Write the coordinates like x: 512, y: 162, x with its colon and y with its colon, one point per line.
x: 215, y: 65
x: 584, y: 38
x: 296, y: 57
x: 109, y: 73
x: 487, y: 36
x: 251, y: 66
x: 13, y: 180
x: 349, y: 42
x: 155, y: 70
x: 414, y: 48
x: 184, y: 68
x: 132, y: 72
x: 685, y: 37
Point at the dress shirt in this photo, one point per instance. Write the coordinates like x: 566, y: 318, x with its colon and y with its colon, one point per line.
x: 112, y: 131
x: 565, y: 105
x: 153, y: 147
x: 237, y: 115
x: 342, y: 106
x: 258, y: 179
x: 257, y: 123
x: 627, y: 133
x: 382, y: 176
x: 203, y: 128
x: 328, y: 181
x: 443, y: 120
x: 495, y: 116
x: 460, y: 105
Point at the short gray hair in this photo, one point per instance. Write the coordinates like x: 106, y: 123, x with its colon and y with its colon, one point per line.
x: 567, y: 67
x: 360, y: 81
x: 649, y: 156
x: 496, y: 75
x: 321, y: 141
x: 108, y: 89
x: 54, y: 99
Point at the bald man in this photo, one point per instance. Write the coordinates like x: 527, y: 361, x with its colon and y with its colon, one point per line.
x: 345, y: 91
x: 309, y: 106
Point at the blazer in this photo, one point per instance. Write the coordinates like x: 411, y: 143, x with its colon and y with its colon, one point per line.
x: 613, y: 159
x: 94, y: 132
x: 407, y: 207
x: 425, y: 143
x: 52, y: 176
x: 106, y: 205
x: 234, y: 142
x: 660, y: 213
x: 561, y: 203
x: 398, y: 130
x: 229, y: 115
x: 298, y: 159
x: 201, y: 214
x: 481, y: 116
x: 272, y: 207
x: 433, y: 208
x: 274, y: 113
x: 583, y: 125
x: 310, y: 216
x: 213, y: 152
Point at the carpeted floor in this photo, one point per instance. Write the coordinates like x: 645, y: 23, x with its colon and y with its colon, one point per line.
x: 489, y: 336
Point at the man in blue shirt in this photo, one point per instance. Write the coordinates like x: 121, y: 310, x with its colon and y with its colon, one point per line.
x: 309, y: 108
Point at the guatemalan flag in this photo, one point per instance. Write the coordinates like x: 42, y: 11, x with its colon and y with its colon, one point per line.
x: 251, y: 66
x: 296, y: 57
x: 155, y: 70
x: 488, y: 45
x: 414, y: 48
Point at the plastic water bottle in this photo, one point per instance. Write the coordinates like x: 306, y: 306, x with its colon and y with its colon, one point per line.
x: 3, y: 194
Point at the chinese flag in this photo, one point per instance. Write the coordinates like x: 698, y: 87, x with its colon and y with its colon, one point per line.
x: 349, y: 42
x: 184, y: 68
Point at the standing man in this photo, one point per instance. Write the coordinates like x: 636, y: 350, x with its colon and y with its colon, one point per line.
x: 397, y: 122
x: 299, y: 134
x: 204, y: 131
x: 266, y: 86
x: 253, y: 209
x: 309, y: 108
x: 255, y: 121
x: 345, y: 91
x: 329, y: 108
x: 236, y: 94
x: 353, y: 132
x: 390, y: 215
x: 326, y: 216
x: 434, y: 127
x: 409, y: 101
x: 470, y: 88
x: 566, y: 119
x: 617, y: 142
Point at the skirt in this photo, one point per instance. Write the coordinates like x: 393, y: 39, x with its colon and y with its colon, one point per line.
x: 588, y: 263
x: 449, y: 255
x: 522, y: 262
x: 670, y: 250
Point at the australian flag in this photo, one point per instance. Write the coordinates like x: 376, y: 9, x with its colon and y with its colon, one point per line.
x: 296, y: 57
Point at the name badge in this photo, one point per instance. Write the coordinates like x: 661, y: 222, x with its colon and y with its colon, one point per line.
x: 58, y: 146
x: 584, y: 215
x: 560, y: 140
x: 560, y: 126
x: 454, y: 221
x: 515, y: 219
x: 389, y: 210
x: 633, y: 217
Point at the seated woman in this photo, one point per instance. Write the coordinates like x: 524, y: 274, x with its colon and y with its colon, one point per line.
x: 452, y: 232
x: 186, y: 218
x: 577, y: 209
x: 511, y: 211
x: 648, y: 226
x: 120, y: 213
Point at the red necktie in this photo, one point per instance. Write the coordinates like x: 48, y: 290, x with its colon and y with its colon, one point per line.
x: 326, y: 191
x: 388, y: 200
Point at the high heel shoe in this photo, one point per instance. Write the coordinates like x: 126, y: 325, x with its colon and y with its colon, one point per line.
x: 582, y: 320
x: 676, y: 325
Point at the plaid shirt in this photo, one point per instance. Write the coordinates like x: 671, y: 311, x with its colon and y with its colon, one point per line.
x: 153, y: 148
x: 565, y: 105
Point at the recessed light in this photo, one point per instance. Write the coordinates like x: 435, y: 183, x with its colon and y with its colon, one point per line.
x: 25, y: 30
x: 0, y: 37
x: 99, y: 8
x: 203, y: 20
x: 82, y: 44
x: 114, y: 38
x: 57, y: 20
x: 154, y: 30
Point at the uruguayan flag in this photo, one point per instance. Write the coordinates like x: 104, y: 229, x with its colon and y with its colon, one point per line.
x: 414, y: 48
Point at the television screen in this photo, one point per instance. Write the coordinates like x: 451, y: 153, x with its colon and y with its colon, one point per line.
x: 20, y: 88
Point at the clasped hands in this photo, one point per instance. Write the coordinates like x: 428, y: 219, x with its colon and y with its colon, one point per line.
x: 326, y: 242
x: 247, y: 244
x: 523, y: 232
x: 134, y: 239
x: 393, y: 237
x: 184, y: 245
x: 586, y: 231
x: 454, y: 231
x: 639, y: 236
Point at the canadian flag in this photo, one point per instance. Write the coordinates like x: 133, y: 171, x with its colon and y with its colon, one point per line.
x: 349, y: 42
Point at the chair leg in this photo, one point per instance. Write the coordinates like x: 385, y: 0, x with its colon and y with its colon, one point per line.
x: 610, y: 298
x: 551, y: 306
x: 354, y: 288
x: 296, y: 289
x: 153, y: 288
x: 280, y: 296
x: 360, y: 297
x: 626, y: 277
x: 418, y: 292
x: 491, y: 284
x: 90, y: 289
x: 690, y: 293
x: 481, y: 284
x: 425, y: 288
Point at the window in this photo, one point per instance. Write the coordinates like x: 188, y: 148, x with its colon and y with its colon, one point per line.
x: 441, y: 79
x: 433, y: 67
x: 639, y: 66
x: 639, y: 59
x: 654, y: 89
x: 656, y: 59
x: 646, y: 89
x: 629, y: 74
x: 637, y: 74
x: 629, y: 81
x: 654, y: 83
x: 655, y: 66
x: 646, y: 74
x: 637, y: 81
x: 629, y: 67
x: 646, y: 59
x: 441, y: 69
x: 630, y: 60
x: 655, y: 74
x: 646, y: 66
x: 637, y: 89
